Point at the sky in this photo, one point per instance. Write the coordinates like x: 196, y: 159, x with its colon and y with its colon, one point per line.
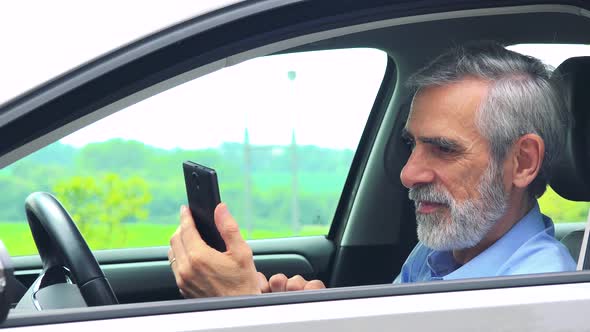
x: 41, y: 39
x: 327, y: 103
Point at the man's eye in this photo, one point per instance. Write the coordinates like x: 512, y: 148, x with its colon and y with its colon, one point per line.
x: 445, y: 149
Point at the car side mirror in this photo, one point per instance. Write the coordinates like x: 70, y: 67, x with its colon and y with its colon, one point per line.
x: 6, y: 282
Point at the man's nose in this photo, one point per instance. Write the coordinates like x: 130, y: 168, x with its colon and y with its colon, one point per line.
x: 416, y: 171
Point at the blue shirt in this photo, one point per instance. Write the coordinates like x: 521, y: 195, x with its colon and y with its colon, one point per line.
x: 528, y: 247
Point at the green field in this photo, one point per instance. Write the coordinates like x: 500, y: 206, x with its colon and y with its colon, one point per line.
x: 18, y: 240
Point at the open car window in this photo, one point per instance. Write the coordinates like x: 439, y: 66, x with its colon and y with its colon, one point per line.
x: 280, y: 130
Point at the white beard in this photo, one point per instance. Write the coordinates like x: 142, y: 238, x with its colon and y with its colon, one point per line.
x: 469, y: 221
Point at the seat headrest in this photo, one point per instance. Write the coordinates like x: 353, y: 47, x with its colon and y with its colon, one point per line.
x: 570, y: 177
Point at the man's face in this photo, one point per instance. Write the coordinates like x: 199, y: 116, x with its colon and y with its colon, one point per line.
x: 458, y: 191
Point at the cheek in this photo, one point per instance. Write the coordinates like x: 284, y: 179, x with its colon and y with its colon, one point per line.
x: 462, y: 182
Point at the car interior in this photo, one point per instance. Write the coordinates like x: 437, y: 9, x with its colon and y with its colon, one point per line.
x: 373, y: 229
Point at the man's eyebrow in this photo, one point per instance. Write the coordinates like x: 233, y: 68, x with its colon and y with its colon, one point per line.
x: 442, y: 142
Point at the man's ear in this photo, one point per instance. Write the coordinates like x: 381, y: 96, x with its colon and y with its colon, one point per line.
x: 528, y: 154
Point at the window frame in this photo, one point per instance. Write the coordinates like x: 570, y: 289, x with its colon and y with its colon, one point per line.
x: 335, y: 294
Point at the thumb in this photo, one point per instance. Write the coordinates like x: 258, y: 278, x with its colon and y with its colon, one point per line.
x: 229, y: 230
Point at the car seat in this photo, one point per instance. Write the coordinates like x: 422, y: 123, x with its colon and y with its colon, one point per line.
x: 570, y: 177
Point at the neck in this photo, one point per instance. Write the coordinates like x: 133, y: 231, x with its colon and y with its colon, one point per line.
x: 518, y: 207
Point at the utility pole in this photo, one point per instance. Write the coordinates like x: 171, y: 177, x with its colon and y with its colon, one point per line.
x: 294, y: 186
x: 248, y: 184
x: 293, y: 149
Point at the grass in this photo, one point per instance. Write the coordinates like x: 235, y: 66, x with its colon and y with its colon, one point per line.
x: 19, y: 242
x: 17, y: 238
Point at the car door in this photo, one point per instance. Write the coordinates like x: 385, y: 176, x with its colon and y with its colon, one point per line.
x: 86, y: 94
x: 372, y: 228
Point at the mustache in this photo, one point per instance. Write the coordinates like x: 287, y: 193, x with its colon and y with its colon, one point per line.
x: 430, y: 193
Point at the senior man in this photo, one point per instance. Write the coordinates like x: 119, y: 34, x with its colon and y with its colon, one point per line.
x: 485, y: 126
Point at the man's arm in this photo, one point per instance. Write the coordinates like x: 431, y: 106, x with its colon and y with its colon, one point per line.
x: 201, y: 271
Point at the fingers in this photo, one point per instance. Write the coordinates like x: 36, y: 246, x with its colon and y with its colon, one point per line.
x: 314, y: 284
x: 188, y: 249
x: 296, y: 283
x: 230, y: 232
x: 177, y: 250
x: 189, y: 234
x: 264, y: 285
x: 171, y: 260
x: 173, y: 264
x: 177, y: 255
x: 278, y: 283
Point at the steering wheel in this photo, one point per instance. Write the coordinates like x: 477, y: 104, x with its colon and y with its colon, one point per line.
x: 65, y: 255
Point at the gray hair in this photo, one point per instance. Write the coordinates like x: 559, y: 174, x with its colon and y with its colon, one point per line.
x: 522, y: 99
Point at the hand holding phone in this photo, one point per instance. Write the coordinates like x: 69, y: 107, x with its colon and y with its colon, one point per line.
x: 202, y: 190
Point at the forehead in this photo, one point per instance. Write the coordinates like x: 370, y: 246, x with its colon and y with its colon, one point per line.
x: 447, y: 110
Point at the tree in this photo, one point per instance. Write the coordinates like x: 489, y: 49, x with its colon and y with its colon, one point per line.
x: 100, y: 207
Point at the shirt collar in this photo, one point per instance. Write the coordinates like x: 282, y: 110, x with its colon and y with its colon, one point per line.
x: 443, y: 265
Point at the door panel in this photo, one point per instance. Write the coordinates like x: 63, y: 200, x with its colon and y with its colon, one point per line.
x: 140, y: 275
x: 153, y: 281
x: 533, y: 308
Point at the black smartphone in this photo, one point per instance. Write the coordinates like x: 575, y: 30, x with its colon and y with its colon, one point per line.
x: 202, y: 190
